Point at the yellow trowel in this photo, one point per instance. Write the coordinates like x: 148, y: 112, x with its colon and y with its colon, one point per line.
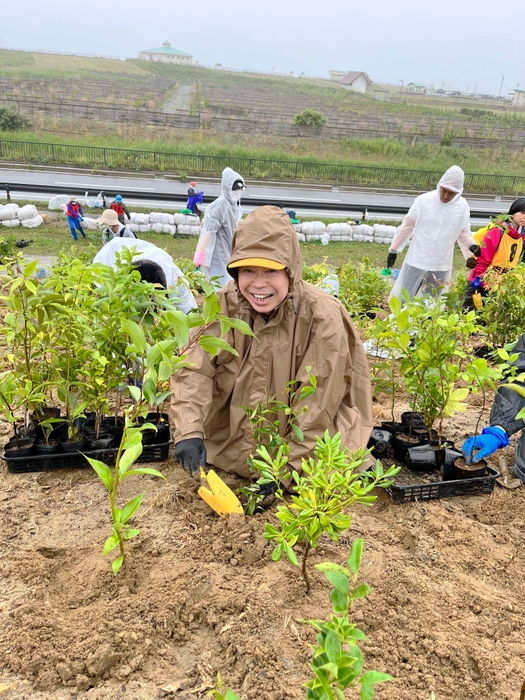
x: 220, y: 498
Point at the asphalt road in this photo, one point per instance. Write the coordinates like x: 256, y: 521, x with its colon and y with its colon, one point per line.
x: 306, y: 200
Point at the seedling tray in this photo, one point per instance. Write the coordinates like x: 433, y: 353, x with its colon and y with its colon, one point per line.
x: 424, y: 486
x: 76, y: 460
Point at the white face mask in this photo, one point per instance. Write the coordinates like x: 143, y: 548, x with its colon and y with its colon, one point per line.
x: 236, y: 195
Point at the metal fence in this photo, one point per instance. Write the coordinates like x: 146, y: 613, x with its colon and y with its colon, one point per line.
x: 190, y: 164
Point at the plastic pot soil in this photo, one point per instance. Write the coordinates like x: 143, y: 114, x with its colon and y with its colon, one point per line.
x: 68, y: 445
x: 413, y: 419
x: 103, y: 442
x: 402, y: 442
x: 422, y: 433
x: 47, y: 448
x: 23, y: 448
x: 462, y: 470
x: 381, y: 443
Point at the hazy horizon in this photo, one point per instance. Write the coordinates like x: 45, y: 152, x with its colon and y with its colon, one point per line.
x: 447, y: 44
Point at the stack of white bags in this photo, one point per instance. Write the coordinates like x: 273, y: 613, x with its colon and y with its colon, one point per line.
x: 361, y: 233
x: 12, y: 215
x: 161, y: 222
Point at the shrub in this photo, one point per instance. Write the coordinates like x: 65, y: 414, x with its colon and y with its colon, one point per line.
x: 10, y: 120
x: 310, y: 118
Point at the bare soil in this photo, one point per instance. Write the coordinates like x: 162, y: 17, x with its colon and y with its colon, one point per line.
x: 201, y: 594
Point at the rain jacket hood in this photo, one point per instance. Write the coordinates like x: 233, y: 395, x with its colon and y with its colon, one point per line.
x: 229, y: 176
x: 267, y: 232
x: 453, y: 179
x: 309, y: 329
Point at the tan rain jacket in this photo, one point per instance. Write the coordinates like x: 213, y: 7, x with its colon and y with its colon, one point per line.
x: 310, y: 328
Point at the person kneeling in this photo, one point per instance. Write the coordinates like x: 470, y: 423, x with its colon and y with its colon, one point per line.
x: 296, y: 325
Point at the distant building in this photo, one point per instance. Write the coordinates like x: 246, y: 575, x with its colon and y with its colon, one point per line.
x: 165, y: 54
x: 355, y: 81
x: 416, y: 87
x: 519, y: 98
x: 337, y: 74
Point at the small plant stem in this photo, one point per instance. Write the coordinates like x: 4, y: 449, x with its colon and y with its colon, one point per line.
x: 303, y: 567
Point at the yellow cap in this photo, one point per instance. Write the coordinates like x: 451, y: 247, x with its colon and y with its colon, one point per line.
x: 258, y: 262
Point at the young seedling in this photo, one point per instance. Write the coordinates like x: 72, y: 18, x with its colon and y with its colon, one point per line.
x: 337, y: 660
x: 329, y: 484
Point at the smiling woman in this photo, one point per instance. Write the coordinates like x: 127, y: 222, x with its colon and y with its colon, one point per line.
x: 299, y: 330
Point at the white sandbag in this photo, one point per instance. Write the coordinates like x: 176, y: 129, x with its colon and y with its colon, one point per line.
x: 179, y: 219
x: 34, y: 222
x: 133, y: 217
x: 155, y: 217
x: 12, y: 223
x: 156, y: 227
x: 193, y: 220
x: 167, y: 219
x: 325, y: 238
x: 186, y: 230
x: 383, y: 231
x: 298, y: 228
x: 144, y: 228
x: 11, y: 205
x: 313, y: 237
x: 90, y: 224
x: 313, y: 228
x: 346, y: 239
x: 134, y: 228
x: 358, y: 237
x: 301, y: 237
x: 378, y: 240
x: 27, y: 212
x: 141, y: 219
x: 55, y: 203
x: 169, y: 228
x: 363, y: 229
x: 339, y: 229
x: 368, y: 239
x: 7, y: 214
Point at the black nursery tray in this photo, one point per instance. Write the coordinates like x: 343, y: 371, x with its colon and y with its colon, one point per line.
x: 424, y: 486
x: 76, y: 460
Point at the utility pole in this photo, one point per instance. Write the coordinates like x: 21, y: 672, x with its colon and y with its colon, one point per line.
x: 501, y: 87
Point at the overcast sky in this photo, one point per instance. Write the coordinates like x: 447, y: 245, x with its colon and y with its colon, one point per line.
x: 461, y: 43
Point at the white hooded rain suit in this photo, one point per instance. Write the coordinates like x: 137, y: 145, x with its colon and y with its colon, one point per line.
x: 435, y: 227
x: 220, y: 221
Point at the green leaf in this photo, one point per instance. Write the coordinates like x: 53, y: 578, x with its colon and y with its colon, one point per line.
x: 128, y: 457
x: 136, y: 333
x: 298, y: 432
x: 130, y: 508
x: 330, y: 566
x: 361, y: 591
x: 130, y: 534
x: 144, y: 470
x: 339, y: 601
x: 30, y: 269
x: 367, y: 692
x: 354, y: 560
x: 340, y: 581
x: 330, y: 668
x: 227, y: 323
x: 103, y: 471
x: 165, y: 371
x: 292, y: 556
x: 375, y: 677
x: 230, y: 695
x: 211, y: 307
x: 332, y: 647
x: 211, y: 344
x: 117, y: 564
x: 30, y: 285
x: 135, y: 393
x: 110, y: 545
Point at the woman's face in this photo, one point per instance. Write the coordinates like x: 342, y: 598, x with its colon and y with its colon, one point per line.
x: 518, y: 219
x: 265, y: 289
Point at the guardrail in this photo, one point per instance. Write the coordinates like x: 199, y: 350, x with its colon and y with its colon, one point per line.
x: 190, y: 164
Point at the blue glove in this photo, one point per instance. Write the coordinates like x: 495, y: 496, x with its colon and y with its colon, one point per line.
x: 490, y: 440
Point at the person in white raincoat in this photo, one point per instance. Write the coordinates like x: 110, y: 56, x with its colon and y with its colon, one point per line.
x: 220, y: 221
x: 151, y: 253
x: 436, y: 221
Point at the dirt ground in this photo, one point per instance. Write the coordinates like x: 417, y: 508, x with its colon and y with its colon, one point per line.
x: 201, y: 595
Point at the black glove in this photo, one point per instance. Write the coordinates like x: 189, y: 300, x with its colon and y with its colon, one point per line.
x: 391, y: 259
x: 191, y: 454
x: 475, y: 249
x: 268, y: 491
x: 471, y: 262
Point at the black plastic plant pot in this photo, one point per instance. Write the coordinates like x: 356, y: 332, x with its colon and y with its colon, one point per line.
x: 23, y: 447
x: 47, y: 448
x: 68, y: 445
x: 462, y: 470
x: 423, y: 434
x: 421, y: 458
x: 380, y: 442
x: 402, y: 442
x: 103, y: 442
x: 149, y: 436
x: 392, y: 427
x: 413, y: 420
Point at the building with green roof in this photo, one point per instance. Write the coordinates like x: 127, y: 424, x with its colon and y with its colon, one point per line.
x: 165, y: 54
